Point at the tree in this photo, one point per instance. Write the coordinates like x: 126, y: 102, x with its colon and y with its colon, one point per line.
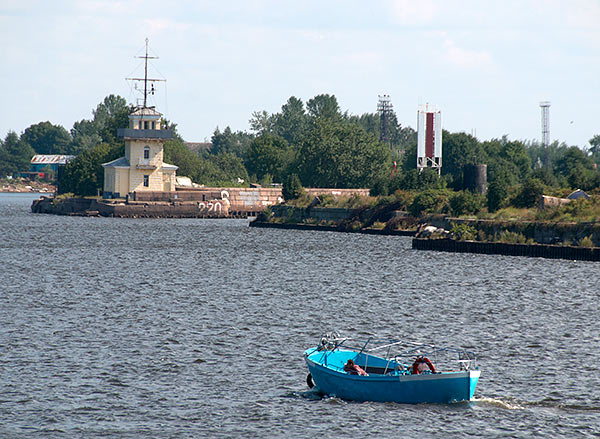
x: 84, y: 175
x: 460, y: 149
x: 324, y: 106
x: 269, y: 154
x: 261, y: 122
x: 228, y: 142
x: 292, y: 187
x: 291, y: 122
x: 110, y: 115
x: 15, y: 155
x: 46, y: 138
x: 338, y: 154
x: 530, y: 194
x: 595, y: 147
x: 496, y: 195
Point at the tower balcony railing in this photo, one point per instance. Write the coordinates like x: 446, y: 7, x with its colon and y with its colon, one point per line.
x: 130, y: 133
x: 145, y: 164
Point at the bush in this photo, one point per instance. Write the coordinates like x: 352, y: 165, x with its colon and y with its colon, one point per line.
x: 430, y: 201
x: 586, y: 242
x: 465, y: 202
x: 463, y: 232
x: 530, y: 193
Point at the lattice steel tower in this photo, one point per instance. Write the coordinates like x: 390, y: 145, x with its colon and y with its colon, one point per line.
x: 545, y: 106
x: 385, y: 108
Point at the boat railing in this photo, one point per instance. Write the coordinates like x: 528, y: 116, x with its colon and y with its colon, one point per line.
x: 401, y: 352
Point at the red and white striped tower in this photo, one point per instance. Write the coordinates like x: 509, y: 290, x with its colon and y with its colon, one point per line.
x: 429, y: 138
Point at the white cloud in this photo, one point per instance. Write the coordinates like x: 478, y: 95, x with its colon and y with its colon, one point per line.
x: 414, y: 13
x: 466, y: 59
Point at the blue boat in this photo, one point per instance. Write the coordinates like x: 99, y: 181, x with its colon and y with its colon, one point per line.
x: 391, y: 371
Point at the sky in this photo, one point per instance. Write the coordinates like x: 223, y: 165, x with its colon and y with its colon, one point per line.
x: 486, y: 65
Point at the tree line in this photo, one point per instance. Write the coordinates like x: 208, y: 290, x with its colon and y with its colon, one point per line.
x: 314, y: 142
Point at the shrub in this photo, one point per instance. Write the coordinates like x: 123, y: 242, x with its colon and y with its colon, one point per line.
x: 465, y: 202
x: 430, y: 201
x: 586, y: 242
x: 463, y: 232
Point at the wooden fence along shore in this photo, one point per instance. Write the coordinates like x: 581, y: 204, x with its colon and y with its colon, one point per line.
x: 500, y: 248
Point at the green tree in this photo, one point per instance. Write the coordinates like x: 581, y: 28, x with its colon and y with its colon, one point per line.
x: 595, y: 148
x: 291, y: 123
x: 269, y: 154
x: 530, y: 194
x: 228, y: 142
x: 341, y: 155
x: 292, y: 187
x: 465, y: 202
x: 324, y: 106
x: 261, y: 122
x: 110, y: 115
x: 85, y: 136
x: 431, y: 201
x: 15, y: 155
x: 460, y: 149
x: 496, y: 195
x: 46, y: 138
x: 84, y: 175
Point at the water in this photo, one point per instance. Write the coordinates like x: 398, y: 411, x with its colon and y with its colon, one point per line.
x: 196, y: 328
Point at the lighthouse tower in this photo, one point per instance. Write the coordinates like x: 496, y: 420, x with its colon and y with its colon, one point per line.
x: 429, y: 138
x: 142, y: 168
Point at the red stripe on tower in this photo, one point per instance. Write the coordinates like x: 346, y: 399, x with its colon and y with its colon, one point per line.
x: 429, y: 135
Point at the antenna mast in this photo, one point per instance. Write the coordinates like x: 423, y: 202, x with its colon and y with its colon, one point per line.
x: 145, y: 78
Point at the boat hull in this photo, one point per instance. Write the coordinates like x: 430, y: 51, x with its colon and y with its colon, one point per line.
x: 442, y: 387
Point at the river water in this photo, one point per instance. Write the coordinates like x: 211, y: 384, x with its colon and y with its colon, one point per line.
x: 171, y: 328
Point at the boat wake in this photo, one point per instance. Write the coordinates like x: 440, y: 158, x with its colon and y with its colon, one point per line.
x: 499, y: 403
x: 523, y: 405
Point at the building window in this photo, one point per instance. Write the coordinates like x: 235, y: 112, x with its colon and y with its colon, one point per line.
x: 146, y: 152
x: 146, y: 180
x: 145, y: 124
x: 153, y: 125
x: 140, y: 124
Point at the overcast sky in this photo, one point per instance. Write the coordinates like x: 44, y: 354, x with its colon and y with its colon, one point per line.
x: 485, y: 64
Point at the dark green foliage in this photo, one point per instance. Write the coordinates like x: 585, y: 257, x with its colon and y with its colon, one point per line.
x: 292, y: 187
x: 222, y: 169
x: 324, y: 106
x: 530, y: 194
x: 110, y: 115
x: 228, y: 142
x: 463, y: 232
x: 340, y: 155
x: 496, y: 195
x: 269, y: 154
x: 291, y: 123
x: 46, y: 138
x: 460, y: 149
x: 428, y: 178
x: 15, y: 155
x: 466, y: 202
x: 431, y: 201
x: 84, y: 175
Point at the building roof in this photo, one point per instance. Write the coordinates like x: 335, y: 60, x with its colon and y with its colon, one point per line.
x: 145, y: 111
x: 51, y: 159
x: 578, y: 194
x: 121, y: 162
x: 168, y: 167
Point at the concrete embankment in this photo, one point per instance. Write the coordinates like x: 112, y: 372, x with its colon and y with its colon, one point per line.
x: 500, y: 248
x: 325, y: 228
x: 128, y: 209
